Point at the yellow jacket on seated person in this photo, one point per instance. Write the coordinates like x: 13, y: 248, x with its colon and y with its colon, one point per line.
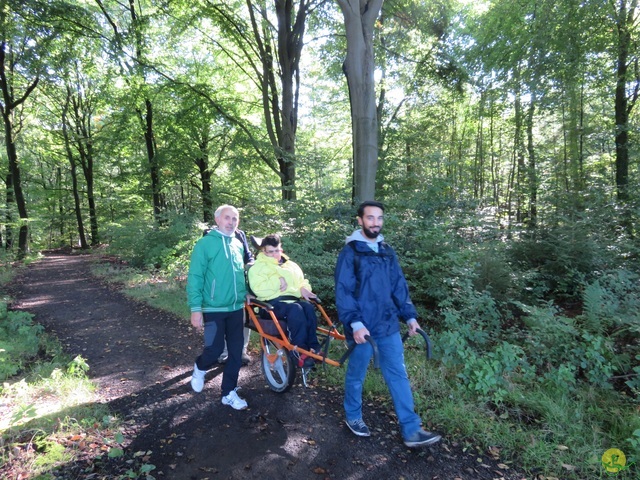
x: 264, y: 278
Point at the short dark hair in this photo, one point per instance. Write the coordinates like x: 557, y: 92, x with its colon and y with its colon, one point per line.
x: 272, y: 240
x: 369, y: 203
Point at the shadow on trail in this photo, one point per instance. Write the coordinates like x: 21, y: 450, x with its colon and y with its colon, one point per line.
x: 184, y: 435
x: 189, y: 435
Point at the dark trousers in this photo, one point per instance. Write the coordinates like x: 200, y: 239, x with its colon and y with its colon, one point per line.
x: 218, y: 327
x: 301, y: 322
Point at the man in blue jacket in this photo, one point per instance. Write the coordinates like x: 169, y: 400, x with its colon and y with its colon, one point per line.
x: 216, y: 292
x: 371, y: 296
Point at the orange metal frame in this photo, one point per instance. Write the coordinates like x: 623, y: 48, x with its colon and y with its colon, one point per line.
x: 326, y: 328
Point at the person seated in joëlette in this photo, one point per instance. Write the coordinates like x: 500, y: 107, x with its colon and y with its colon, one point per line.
x: 276, y: 279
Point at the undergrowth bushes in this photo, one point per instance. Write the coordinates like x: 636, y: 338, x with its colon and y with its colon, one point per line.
x: 19, y: 341
x: 146, y: 245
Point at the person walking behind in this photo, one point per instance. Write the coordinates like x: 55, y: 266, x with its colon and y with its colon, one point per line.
x: 248, y: 262
x: 371, y: 297
x: 216, y: 292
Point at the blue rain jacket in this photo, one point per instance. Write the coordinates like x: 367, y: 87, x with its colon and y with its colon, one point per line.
x: 371, y: 290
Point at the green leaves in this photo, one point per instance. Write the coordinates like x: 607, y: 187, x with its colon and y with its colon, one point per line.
x: 19, y: 340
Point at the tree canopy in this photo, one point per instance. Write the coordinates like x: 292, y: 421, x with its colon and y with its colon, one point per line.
x: 129, y: 109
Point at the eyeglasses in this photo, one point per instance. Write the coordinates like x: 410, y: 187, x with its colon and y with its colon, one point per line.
x: 271, y: 252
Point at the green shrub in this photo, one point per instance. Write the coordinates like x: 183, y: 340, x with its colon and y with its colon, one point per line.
x: 554, y: 261
x: 611, y: 318
x: 634, y: 381
x: 143, y: 244
x: 612, y: 303
x: 19, y: 341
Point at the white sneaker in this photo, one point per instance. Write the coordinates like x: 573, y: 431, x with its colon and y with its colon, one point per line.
x: 197, y: 379
x: 234, y: 401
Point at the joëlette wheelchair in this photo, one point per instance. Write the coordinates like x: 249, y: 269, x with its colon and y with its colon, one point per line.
x: 280, y: 356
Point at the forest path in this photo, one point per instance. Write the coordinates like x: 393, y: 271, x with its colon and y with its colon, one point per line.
x: 141, y: 359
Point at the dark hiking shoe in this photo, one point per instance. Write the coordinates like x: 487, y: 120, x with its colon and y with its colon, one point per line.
x: 421, y: 438
x: 246, y: 359
x: 358, y: 427
x: 304, y: 360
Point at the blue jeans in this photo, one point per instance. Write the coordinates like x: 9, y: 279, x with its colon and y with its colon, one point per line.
x: 391, y: 356
x: 218, y: 327
x: 301, y: 322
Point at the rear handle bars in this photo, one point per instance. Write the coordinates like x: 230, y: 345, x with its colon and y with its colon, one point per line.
x: 426, y: 340
x: 376, y: 361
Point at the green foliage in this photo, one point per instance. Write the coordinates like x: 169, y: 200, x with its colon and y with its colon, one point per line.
x: 554, y: 262
x: 490, y: 375
x: 7, y: 267
x: 23, y: 413
x: 19, y: 341
x: 612, y: 303
x: 562, y: 352
x: 547, y: 336
x: 612, y: 323
x: 434, y: 265
x: 51, y: 452
x: 469, y: 344
x: 634, y: 443
x: 144, y: 244
x: 78, y: 367
x: 634, y: 382
x: 493, y: 273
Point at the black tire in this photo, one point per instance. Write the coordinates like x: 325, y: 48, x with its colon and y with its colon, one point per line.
x: 281, y: 374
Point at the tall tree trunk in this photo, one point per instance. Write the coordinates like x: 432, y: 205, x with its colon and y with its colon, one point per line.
x: 478, y: 167
x: 573, y: 138
x: 152, y: 158
x: 7, y: 108
x: 146, y: 118
x: 532, y: 173
x: 77, y: 208
x: 290, y: 43
x: 74, y: 173
x: 518, y: 147
x: 623, y: 105
x: 145, y: 115
x: 359, y: 20
x: 93, y: 215
x: 20, y: 201
x: 61, y: 223
x: 202, y: 163
x: 380, y: 108
x: 82, y: 117
x: 280, y: 106
x: 565, y: 150
x: 8, y: 216
x: 495, y: 188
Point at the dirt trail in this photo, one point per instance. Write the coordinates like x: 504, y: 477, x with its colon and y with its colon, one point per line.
x: 141, y: 359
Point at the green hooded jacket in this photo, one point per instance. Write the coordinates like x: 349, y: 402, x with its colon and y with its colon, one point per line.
x: 216, y: 281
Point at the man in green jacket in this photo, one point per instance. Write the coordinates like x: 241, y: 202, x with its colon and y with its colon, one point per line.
x: 216, y: 292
